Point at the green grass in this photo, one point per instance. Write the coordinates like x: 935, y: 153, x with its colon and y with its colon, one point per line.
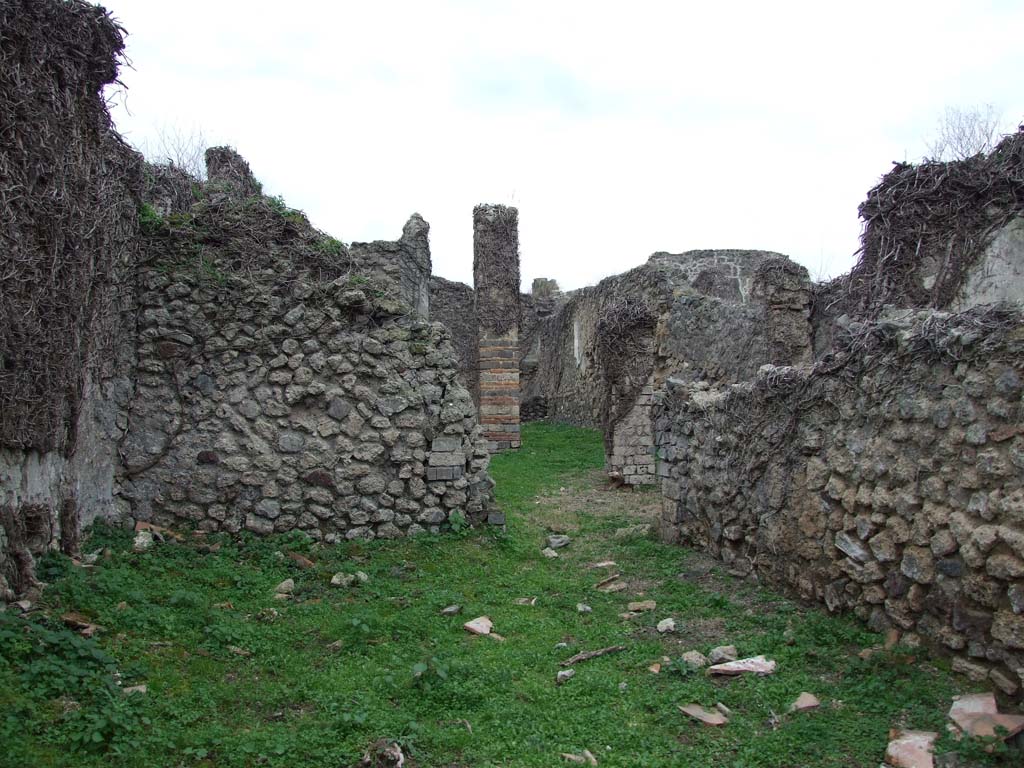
x: 402, y: 671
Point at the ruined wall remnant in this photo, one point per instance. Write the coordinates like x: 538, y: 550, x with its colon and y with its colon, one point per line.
x: 285, y: 382
x: 406, y: 261
x: 998, y: 276
x: 939, y: 235
x: 213, y: 360
x: 453, y: 305
x: 227, y: 171
x: 68, y: 229
x: 887, y: 480
x: 603, y: 353
x: 496, y: 282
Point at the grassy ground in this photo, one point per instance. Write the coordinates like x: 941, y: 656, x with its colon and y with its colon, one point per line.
x: 237, y: 678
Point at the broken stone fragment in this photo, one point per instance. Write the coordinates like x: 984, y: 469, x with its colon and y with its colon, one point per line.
x: 603, y: 564
x: 451, y: 610
x: 606, y: 580
x: 383, y: 752
x: 362, y: 577
x: 722, y: 654
x: 705, y: 716
x: 525, y: 601
x: 143, y: 541
x: 910, y: 749
x: 343, y: 580
x: 585, y: 758
x: 549, y: 552
x: 159, y: 532
x: 80, y: 623
x: 1004, y: 682
x: 286, y: 587
x: 92, y: 557
x: 583, y: 608
x: 642, y: 605
x: 758, y: 665
x: 852, y: 548
x: 135, y: 689
x: 977, y: 673
x: 695, y: 659
x: 978, y: 715
x: 610, y: 584
x: 892, y: 639
x: 564, y: 676
x: 482, y: 625
x: 805, y: 701
x: 667, y: 625
x: 557, y: 541
x: 300, y: 560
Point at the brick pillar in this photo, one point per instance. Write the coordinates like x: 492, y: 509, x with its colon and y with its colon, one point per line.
x: 496, y: 282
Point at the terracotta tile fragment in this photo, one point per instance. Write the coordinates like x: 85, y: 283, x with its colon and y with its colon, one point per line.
x: 706, y: 716
x: 910, y: 749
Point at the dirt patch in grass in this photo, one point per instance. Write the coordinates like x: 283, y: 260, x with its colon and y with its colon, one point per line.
x: 593, y: 496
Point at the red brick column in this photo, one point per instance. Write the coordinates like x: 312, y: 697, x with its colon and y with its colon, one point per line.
x: 496, y: 282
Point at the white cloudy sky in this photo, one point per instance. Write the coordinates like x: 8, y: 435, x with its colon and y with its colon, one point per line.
x: 618, y: 129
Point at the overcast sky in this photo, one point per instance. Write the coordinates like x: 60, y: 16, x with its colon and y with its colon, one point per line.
x: 617, y: 129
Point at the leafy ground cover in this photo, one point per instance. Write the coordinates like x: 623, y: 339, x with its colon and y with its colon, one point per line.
x: 235, y: 677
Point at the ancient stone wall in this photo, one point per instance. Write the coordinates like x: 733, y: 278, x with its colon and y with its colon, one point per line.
x: 496, y: 283
x: 633, y: 458
x: 68, y: 238
x: 206, y: 357
x: 887, y: 480
x: 406, y: 261
x: 284, y: 381
x: 946, y: 236
x: 998, y: 276
x: 542, y: 302
x: 606, y: 350
x: 453, y: 305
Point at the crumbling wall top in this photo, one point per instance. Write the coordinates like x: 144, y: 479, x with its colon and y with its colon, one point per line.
x: 228, y: 169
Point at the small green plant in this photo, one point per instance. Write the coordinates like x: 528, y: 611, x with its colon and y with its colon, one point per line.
x: 57, y: 664
x: 279, y: 206
x: 457, y: 520
x: 330, y: 246
x: 209, y: 270
x: 150, y: 222
x: 682, y: 668
x: 276, y: 203
x: 429, y: 673
x: 111, y: 725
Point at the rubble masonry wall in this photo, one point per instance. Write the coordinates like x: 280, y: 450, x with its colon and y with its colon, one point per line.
x: 887, y: 480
